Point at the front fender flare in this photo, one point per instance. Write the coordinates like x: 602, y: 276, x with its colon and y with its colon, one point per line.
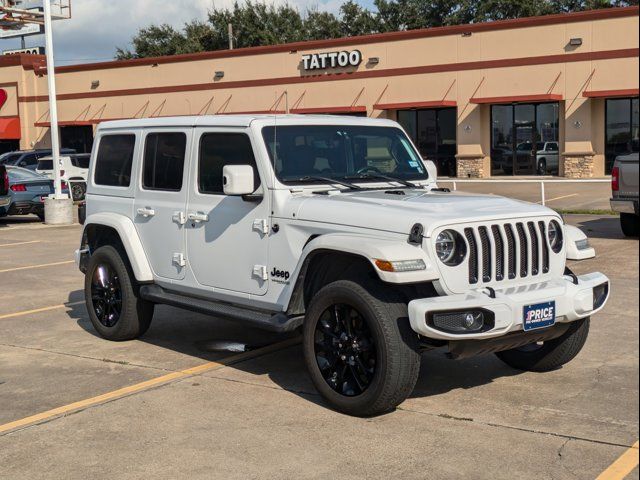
x: 130, y: 239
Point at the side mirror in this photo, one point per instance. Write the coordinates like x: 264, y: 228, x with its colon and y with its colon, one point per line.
x: 432, y: 170
x: 237, y: 180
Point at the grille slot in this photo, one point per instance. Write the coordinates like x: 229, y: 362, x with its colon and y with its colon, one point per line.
x: 486, y: 254
x: 535, y: 253
x: 545, y: 247
x: 511, y: 244
x: 497, y: 239
x: 524, y: 250
x: 473, y: 256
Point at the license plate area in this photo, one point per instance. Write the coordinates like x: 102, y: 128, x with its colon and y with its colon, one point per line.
x: 540, y: 315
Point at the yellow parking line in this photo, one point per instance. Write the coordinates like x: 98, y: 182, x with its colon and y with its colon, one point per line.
x: 36, y: 266
x: 20, y: 243
x: 560, y: 198
x: 39, y: 310
x: 622, y: 466
x: 146, y: 385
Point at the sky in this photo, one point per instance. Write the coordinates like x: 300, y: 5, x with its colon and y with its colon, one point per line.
x: 98, y: 27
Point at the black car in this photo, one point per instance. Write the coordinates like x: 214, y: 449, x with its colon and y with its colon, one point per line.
x: 29, y: 158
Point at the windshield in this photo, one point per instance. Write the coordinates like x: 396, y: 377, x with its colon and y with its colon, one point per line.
x: 360, y: 153
x: 9, y: 158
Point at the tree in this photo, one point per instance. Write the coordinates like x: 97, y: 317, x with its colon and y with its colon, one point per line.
x: 256, y: 23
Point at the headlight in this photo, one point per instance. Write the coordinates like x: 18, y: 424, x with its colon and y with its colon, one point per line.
x: 556, y: 239
x: 451, y: 248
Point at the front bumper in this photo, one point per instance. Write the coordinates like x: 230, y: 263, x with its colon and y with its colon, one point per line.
x: 573, y: 297
x: 624, y: 206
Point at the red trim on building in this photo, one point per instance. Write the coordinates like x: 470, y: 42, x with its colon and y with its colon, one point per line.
x: 415, y: 105
x: 352, y: 109
x: 547, y: 97
x: 353, y: 41
x: 629, y: 92
x: 10, y: 128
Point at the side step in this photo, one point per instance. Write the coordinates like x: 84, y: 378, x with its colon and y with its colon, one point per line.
x: 278, y: 322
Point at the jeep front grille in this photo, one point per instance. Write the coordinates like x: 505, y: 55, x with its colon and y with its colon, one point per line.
x: 506, y: 251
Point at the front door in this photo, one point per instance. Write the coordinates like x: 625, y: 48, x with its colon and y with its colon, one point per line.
x: 524, y: 158
x: 161, y: 200
x: 227, y: 236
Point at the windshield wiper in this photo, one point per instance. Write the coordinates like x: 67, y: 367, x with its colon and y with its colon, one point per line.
x: 314, y: 178
x: 382, y: 176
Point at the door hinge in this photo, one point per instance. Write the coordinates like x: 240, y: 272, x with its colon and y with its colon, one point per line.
x: 261, y: 225
x: 180, y: 218
x: 260, y: 271
x: 179, y: 260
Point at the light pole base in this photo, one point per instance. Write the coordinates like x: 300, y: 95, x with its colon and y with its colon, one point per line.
x: 58, y: 211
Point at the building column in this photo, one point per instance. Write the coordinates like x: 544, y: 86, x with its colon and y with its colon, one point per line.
x: 578, y: 164
x: 473, y: 165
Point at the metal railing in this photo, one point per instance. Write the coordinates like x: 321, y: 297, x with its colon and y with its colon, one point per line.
x: 542, y: 182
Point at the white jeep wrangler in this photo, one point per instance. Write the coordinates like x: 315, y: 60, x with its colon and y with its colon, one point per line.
x: 334, y: 225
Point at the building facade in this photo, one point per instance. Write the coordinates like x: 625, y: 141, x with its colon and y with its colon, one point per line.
x: 546, y: 95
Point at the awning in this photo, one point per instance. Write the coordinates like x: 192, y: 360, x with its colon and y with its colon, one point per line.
x: 10, y: 128
x: 629, y: 92
x: 72, y: 123
x: 545, y: 97
x: 350, y: 109
x: 415, y: 105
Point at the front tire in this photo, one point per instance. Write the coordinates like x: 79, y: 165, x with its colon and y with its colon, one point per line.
x: 630, y: 224
x: 115, y: 309
x: 542, y: 167
x: 360, y: 350
x: 549, y: 355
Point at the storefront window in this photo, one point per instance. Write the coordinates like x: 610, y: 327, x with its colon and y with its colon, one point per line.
x: 621, y: 129
x: 434, y: 133
x: 525, y: 139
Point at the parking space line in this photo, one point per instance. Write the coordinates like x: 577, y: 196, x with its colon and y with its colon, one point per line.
x: 17, y: 269
x: 146, y: 385
x: 560, y: 198
x: 39, y: 310
x: 623, y: 466
x: 20, y: 243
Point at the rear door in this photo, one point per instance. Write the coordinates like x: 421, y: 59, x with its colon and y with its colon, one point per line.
x: 161, y: 196
x: 227, y: 237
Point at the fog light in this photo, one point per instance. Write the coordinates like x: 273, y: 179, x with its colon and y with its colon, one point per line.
x: 600, y: 294
x: 461, y: 322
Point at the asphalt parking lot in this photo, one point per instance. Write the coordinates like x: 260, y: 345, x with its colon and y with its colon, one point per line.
x: 183, y: 402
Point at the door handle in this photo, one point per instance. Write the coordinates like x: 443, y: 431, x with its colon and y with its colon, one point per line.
x: 146, y: 212
x: 198, y: 217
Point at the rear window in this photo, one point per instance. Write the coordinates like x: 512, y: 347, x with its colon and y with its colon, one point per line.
x: 45, y: 164
x: 81, y: 162
x: 114, y: 160
x: 164, y: 161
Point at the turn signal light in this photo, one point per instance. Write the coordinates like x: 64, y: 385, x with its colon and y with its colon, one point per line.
x: 401, y: 266
x: 18, y: 187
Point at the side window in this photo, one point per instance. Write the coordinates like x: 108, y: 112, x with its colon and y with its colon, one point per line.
x: 29, y: 160
x: 218, y: 150
x: 552, y: 147
x: 114, y: 160
x: 164, y: 156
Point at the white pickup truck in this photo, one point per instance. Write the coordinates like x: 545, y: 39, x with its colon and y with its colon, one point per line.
x: 335, y: 226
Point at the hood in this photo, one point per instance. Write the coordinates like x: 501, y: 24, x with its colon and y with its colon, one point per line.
x: 398, y: 210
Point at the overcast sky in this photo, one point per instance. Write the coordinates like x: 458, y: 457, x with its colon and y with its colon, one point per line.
x: 99, y: 26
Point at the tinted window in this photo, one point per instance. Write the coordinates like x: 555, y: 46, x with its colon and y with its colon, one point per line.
x: 164, y: 161
x: 45, y: 164
x: 28, y: 160
x: 115, y: 157
x: 218, y: 150
x: 81, y: 162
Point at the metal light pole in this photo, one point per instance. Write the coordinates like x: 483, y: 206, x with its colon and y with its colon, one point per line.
x: 53, y: 105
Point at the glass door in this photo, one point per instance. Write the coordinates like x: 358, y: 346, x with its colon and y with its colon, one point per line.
x: 524, y: 136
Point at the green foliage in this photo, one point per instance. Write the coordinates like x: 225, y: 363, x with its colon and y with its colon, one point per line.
x: 256, y: 23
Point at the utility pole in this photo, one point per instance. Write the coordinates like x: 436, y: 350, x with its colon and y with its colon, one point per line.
x: 230, y: 31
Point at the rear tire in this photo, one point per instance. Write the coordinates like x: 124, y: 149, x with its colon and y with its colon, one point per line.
x: 115, y: 309
x: 630, y: 224
x: 388, y: 357
x: 542, y: 167
x: 550, y: 355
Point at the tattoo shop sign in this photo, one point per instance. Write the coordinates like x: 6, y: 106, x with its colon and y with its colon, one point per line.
x: 324, y: 61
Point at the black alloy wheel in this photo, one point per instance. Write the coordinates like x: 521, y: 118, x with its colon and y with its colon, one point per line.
x: 106, y: 295
x: 345, y: 350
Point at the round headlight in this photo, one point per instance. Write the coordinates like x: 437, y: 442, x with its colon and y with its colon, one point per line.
x: 556, y: 239
x: 451, y: 248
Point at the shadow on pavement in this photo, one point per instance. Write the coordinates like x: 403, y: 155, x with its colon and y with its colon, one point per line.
x: 212, y: 339
x: 607, y: 227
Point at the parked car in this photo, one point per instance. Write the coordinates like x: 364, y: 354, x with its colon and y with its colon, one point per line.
x: 28, y: 158
x: 27, y: 191
x: 624, y: 184
x: 73, y: 171
x: 548, y: 157
x: 332, y: 225
x: 5, y: 199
